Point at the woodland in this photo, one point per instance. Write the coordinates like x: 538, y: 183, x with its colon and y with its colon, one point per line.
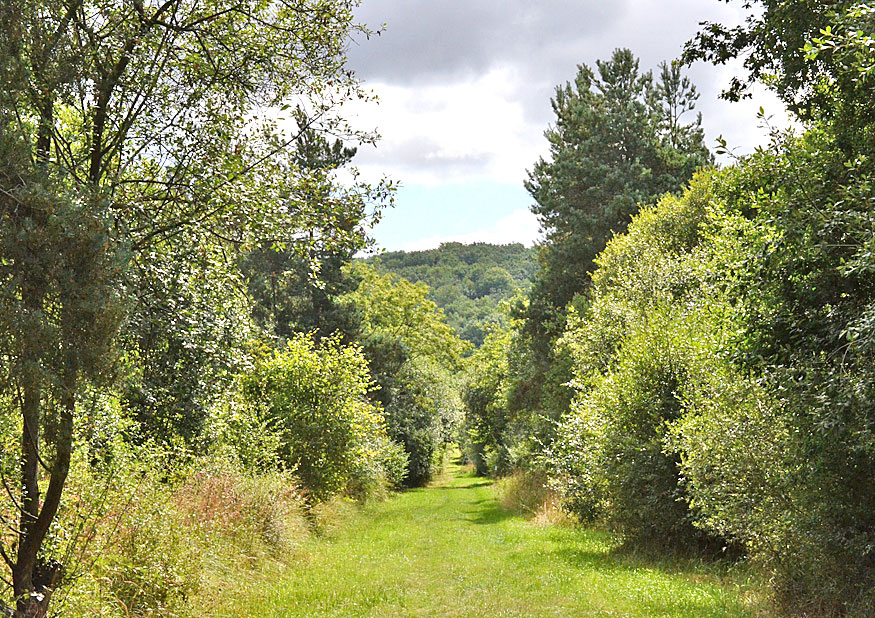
x: 468, y: 282
x: 202, y: 380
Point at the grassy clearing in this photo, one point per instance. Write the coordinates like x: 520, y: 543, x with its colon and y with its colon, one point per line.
x: 452, y: 550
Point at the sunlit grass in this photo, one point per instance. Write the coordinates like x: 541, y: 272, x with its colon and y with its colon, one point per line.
x: 451, y: 550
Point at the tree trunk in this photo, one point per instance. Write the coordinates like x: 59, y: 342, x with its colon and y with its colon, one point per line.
x: 34, y: 579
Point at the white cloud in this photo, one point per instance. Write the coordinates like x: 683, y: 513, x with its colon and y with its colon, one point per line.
x: 465, y: 87
x: 489, y: 124
x: 437, y: 134
x: 520, y: 226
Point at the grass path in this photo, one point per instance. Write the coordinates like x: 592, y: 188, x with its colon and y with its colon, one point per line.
x: 450, y: 550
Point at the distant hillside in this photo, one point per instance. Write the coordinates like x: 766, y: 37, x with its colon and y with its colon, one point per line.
x: 466, y: 281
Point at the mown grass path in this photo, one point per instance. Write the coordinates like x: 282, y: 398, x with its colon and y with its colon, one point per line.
x: 450, y: 550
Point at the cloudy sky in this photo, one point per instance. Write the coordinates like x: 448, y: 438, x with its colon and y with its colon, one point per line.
x: 465, y: 86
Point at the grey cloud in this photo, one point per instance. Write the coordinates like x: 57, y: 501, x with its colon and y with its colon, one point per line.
x: 429, y: 42
x: 433, y: 40
x: 441, y: 41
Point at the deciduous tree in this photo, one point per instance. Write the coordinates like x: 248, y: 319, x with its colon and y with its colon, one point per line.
x: 132, y: 123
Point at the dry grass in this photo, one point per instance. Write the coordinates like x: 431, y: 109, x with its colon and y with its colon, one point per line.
x: 165, y: 547
x: 526, y: 493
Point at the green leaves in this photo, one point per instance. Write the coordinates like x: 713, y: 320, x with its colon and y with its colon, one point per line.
x: 413, y: 355
x: 619, y: 142
x: 316, y: 398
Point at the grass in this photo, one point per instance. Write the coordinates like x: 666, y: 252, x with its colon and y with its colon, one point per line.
x: 451, y: 550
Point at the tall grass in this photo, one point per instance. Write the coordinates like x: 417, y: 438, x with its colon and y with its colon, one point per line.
x: 146, y: 536
x: 526, y: 493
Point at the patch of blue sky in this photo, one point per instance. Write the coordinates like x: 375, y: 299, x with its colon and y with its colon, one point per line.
x: 471, y: 211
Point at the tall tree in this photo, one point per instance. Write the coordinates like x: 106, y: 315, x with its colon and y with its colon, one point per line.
x: 294, y: 290
x: 131, y: 123
x: 619, y: 141
x: 770, y: 40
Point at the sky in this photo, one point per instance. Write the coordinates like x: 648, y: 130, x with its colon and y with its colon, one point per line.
x: 464, y: 90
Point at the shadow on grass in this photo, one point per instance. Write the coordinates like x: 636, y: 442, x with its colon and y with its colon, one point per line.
x: 624, y: 557
x: 482, y: 483
x: 487, y: 511
x: 689, y: 595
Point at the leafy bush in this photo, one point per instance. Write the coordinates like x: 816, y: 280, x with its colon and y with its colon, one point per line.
x: 527, y: 493
x: 485, y: 399
x: 781, y: 458
x: 315, y: 399
x: 421, y: 417
x: 381, y: 464
x: 613, y: 444
x: 638, y: 340
x: 413, y: 355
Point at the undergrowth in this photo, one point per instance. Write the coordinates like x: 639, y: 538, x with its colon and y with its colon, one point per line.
x: 526, y: 493
x: 146, y: 536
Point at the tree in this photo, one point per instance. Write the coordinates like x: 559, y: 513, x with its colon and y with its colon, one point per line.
x: 770, y: 40
x: 816, y: 56
x: 61, y: 305
x: 619, y: 141
x: 294, y: 291
x: 413, y: 356
x: 184, y: 338
x: 133, y: 123
x: 802, y: 292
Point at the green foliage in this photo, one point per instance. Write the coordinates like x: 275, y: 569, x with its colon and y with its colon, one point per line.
x: 619, y: 141
x: 801, y: 290
x: 393, y: 308
x: 294, y: 288
x: 485, y: 397
x: 136, y: 132
x: 723, y: 365
x: 638, y: 342
x: 413, y: 355
x: 817, y: 56
x: 295, y: 293
x: 468, y: 282
x: 774, y: 33
x: 184, y: 338
x: 316, y: 399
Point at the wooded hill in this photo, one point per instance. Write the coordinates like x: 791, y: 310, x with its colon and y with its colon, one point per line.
x: 467, y: 281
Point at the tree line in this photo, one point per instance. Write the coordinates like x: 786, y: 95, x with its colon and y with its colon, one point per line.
x: 692, y: 366
x: 177, y: 293
x: 469, y: 282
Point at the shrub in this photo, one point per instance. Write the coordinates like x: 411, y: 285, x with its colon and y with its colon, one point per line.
x: 526, y: 493
x: 381, y: 464
x: 778, y: 452
x: 637, y: 340
x: 421, y: 416
x: 315, y: 399
x: 613, y: 443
